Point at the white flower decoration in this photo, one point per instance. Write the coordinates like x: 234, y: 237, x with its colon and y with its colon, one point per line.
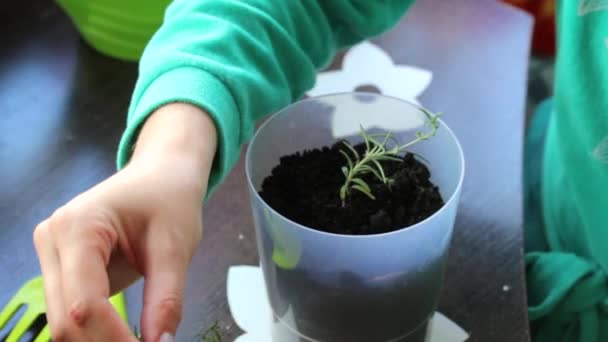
x: 248, y: 303
x: 368, y: 65
x: 250, y: 308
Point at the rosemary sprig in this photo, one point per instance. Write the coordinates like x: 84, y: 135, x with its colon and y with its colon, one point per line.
x: 212, y: 334
x: 137, y: 333
x: 375, y: 152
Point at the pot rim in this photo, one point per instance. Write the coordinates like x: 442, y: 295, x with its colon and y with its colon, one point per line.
x: 254, y: 192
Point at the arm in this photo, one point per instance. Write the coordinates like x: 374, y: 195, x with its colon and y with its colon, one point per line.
x: 212, y: 70
x: 242, y: 60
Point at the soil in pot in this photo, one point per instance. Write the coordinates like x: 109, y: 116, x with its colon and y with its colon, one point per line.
x: 305, y: 187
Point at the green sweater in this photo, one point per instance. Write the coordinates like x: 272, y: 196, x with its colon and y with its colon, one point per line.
x: 568, y: 256
x: 242, y: 60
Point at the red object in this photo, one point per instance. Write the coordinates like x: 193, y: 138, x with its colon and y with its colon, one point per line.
x: 543, y: 39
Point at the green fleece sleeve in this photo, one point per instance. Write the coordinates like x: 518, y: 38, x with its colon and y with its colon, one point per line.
x: 241, y: 60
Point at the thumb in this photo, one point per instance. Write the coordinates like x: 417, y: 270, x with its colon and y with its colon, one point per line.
x: 165, y: 276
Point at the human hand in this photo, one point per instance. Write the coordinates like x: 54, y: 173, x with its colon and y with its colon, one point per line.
x: 145, y: 220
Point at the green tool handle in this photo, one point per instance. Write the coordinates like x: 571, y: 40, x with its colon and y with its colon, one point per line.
x: 118, y: 301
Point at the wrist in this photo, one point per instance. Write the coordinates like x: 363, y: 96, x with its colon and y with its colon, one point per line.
x: 181, y: 134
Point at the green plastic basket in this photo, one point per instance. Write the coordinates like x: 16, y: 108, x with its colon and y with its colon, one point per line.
x: 117, y: 28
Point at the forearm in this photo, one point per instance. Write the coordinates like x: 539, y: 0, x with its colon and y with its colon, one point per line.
x: 182, y: 133
x: 241, y: 60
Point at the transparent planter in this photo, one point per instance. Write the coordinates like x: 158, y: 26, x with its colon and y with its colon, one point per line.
x: 329, y: 287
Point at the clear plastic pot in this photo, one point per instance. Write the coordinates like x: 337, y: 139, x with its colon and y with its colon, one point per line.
x: 329, y: 287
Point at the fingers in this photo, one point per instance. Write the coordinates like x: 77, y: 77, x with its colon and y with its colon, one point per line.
x: 51, y: 274
x: 85, y: 283
x: 165, y: 275
x: 83, y: 248
x: 83, y: 256
x: 105, y: 324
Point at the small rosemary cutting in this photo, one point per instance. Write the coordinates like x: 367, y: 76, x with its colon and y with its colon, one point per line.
x: 376, y: 150
x: 211, y: 334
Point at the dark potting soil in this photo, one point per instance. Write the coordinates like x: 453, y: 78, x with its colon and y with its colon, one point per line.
x: 305, y: 187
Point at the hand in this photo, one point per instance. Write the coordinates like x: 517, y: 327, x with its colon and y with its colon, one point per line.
x: 144, y: 220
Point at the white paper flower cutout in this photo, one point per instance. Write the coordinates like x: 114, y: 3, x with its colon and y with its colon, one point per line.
x: 250, y: 308
x: 368, y: 64
x: 248, y: 303
x: 363, y: 65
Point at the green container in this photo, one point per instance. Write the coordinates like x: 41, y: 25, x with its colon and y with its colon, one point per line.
x: 117, y: 28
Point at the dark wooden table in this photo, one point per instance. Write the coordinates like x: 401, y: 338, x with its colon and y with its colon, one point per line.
x: 62, y: 110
